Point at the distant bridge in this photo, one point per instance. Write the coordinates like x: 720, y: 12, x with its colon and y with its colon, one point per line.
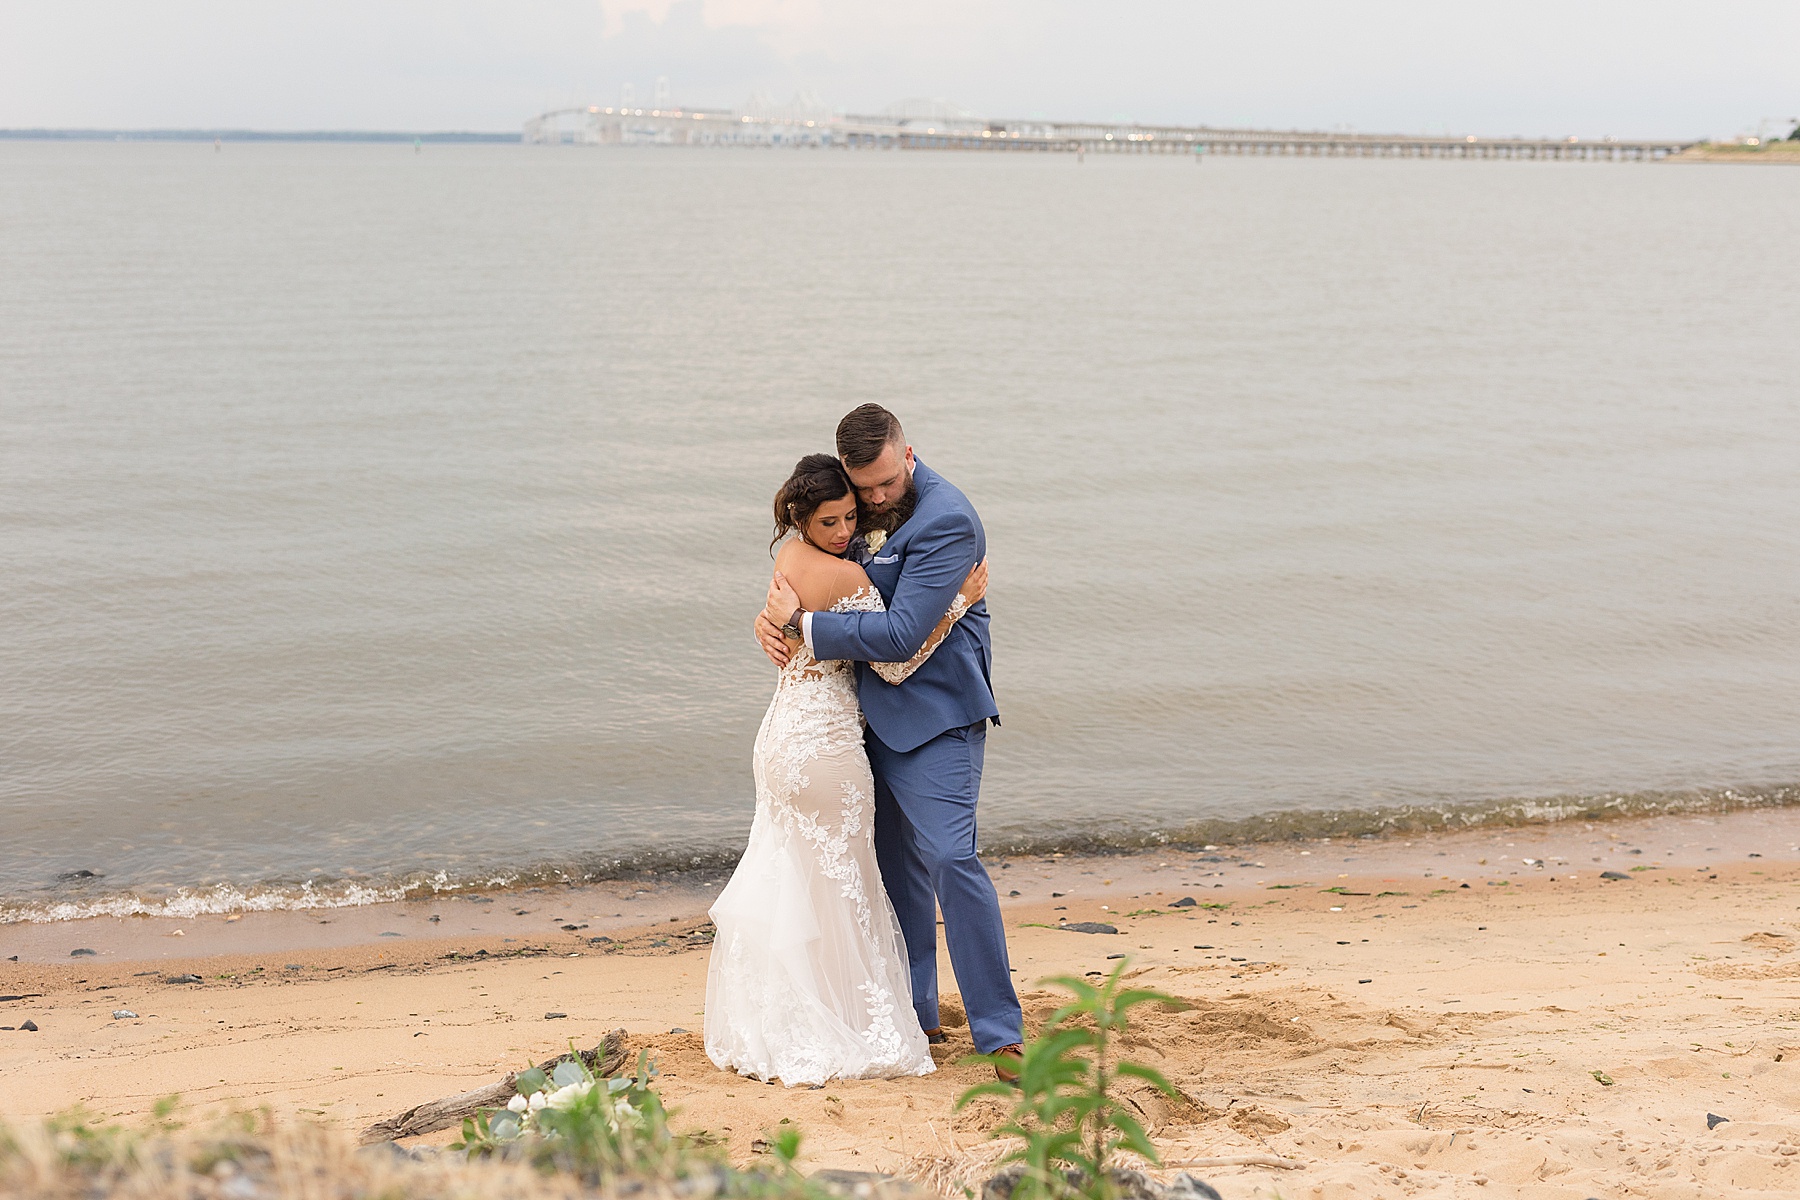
x: 725, y: 127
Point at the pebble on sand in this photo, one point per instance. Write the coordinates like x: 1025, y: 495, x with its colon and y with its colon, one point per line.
x: 82, y: 952
x: 1185, y: 902
x: 555, y: 1016
x: 1088, y: 927
x: 1714, y: 1120
x: 29, y: 1026
x: 124, y: 1014
x: 182, y: 979
x: 1614, y: 875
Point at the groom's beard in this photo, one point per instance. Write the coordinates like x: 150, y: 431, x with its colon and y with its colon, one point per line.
x: 894, y: 515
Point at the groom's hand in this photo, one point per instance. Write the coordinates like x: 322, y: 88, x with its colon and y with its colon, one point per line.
x: 783, y: 600
x: 769, y: 635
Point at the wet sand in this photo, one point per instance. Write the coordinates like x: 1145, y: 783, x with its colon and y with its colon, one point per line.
x: 1478, y: 1014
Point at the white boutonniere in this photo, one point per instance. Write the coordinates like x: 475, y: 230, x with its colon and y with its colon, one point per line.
x: 874, y: 538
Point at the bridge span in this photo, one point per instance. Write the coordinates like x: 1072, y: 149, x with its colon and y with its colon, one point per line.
x: 599, y: 126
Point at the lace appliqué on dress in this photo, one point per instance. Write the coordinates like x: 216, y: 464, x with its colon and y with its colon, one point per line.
x: 808, y: 979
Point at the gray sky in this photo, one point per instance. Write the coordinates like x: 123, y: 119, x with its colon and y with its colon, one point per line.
x: 1650, y: 67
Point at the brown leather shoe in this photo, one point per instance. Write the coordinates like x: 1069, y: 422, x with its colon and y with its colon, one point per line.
x: 936, y: 1036
x: 1014, y: 1051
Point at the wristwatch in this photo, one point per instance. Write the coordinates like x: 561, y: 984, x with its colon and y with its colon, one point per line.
x: 792, y: 628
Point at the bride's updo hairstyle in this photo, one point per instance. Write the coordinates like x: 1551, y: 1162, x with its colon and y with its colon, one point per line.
x: 817, y: 478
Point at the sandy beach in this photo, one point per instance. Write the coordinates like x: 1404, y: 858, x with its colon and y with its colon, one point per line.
x: 1481, y: 1014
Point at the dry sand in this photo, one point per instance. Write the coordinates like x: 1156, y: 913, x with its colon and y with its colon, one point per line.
x: 1531, y: 1034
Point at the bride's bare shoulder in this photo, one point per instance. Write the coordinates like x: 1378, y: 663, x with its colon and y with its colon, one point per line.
x: 820, y: 579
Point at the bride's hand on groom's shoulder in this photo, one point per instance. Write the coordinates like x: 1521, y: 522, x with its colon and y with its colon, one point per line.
x: 975, y: 586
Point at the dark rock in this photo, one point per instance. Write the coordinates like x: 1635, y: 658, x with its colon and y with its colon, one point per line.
x: 1190, y: 1187
x: 1113, y: 956
x: 866, y: 1185
x: 555, y: 1016
x: 600, y: 941
x: 1614, y: 875
x: 572, y: 928
x: 1714, y: 1120
x: 1126, y: 1185
x: 704, y: 1184
x: 678, y: 1029
x: 393, y: 935
x: 1210, y: 858
x: 29, y: 1026
x: 1185, y: 902
x: 1365, y: 981
x: 1014, y: 892
x: 1203, y: 947
x: 1089, y: 927
x: 1465, y: 887
x: 82, y: 952
x: 72, y: 876
x: 182, y: 979
x: 395, y: 1152
x: 20, y: 996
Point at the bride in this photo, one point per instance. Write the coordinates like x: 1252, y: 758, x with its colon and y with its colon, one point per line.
x: 808, y: 979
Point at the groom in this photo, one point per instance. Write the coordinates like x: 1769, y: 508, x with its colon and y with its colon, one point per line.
x: 926, y: 736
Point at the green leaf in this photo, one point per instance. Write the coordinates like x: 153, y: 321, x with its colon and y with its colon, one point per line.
x: 530, y: 1082
x: 1133, y: 1135
x: 567, y: 1073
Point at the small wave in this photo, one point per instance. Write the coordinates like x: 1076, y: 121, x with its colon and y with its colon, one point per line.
x: 1406, y: 819
x: 227, y: 898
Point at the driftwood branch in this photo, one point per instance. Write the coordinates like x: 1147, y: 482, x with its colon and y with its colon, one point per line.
x: 1241, y: 1160
x: 604, y: 1059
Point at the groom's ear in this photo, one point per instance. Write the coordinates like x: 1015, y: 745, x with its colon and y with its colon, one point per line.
x: 910, y: 461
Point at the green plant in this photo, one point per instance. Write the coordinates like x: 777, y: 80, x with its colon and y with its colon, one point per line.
x: 1066, y: 1112
x: 570, y: 1120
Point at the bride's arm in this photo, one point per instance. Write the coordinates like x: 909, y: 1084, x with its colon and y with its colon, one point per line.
x: 972, y: 590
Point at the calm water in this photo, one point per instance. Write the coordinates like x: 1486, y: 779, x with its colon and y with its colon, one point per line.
x: 367, y: 515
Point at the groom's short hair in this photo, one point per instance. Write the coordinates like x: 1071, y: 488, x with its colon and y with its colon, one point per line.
x: 865, y: 432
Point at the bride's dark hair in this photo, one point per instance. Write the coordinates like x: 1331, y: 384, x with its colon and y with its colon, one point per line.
x: 816, y: 479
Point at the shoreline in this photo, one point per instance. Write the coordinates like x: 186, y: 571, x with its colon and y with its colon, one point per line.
x: 562, y: 918
x: 695, y: 871
x: 1353, y: 1005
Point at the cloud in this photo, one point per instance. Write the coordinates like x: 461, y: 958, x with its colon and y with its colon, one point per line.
x: 1526, y: 66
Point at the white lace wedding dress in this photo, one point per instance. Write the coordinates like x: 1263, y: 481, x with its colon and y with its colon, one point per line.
x: 808, y: 979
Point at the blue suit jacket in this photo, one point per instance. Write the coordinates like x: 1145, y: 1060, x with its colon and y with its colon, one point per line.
x: 917, y: 571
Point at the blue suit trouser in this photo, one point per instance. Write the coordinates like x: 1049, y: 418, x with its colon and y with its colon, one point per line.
x: 925, y: 844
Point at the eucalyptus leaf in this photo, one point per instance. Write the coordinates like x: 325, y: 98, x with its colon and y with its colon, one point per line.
x: 528, y: 1083
x: 504, y: 1125
x: 567, y: 1073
